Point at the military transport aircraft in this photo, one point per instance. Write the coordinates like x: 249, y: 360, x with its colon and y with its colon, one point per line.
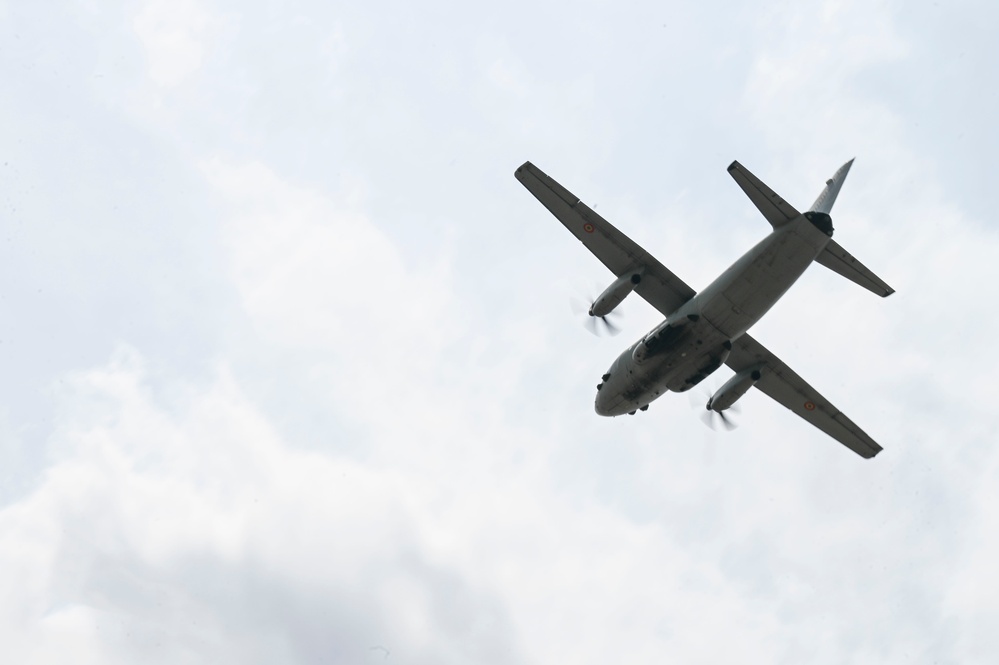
x: 704, y: 330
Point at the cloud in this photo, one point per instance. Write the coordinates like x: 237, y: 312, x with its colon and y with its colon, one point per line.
x: 182, y: 528
x: 174, y: 36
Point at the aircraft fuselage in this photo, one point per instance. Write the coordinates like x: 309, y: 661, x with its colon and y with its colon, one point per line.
x: 694, y: 341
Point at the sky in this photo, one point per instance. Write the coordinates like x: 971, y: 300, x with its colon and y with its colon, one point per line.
x: 290, y: 373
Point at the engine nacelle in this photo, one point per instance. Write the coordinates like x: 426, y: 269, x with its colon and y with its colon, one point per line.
x: 616, y: 292
x: 733, y: 389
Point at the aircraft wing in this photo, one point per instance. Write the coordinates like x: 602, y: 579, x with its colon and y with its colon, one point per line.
x: 660, y: 287
x: 781, y: 383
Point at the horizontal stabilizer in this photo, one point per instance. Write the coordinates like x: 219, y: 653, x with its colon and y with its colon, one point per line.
x: 841, y: 261
x: 777, y: 211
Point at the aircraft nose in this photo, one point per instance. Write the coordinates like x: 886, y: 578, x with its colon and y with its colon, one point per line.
x: 605, y: 402
x: 598, y: 405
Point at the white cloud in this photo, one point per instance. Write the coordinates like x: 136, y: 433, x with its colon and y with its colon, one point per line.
x: 315, y: 271
x: 185, y: 529
x: 174, y: 35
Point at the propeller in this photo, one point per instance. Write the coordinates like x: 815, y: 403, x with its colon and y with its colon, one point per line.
x: 598, y: 325
x: 710, y: 417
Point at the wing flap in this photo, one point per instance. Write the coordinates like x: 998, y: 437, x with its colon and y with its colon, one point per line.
x: 781, y: 383
x: 777, y: 211
x: 660, y: 287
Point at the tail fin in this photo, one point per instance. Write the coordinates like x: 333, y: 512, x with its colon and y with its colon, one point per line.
x: 835, y: 257
x: 828, y: 196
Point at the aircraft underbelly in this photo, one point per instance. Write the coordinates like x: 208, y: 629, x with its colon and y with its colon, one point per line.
x: 632, y: 385
x: 747, y: 291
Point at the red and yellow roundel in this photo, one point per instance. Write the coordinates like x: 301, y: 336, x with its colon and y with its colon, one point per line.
x: 809, y: 406
x: 588, y: 227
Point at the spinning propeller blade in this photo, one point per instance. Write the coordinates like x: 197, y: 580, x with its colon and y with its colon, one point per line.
x: 598, y: 325
x: 711, y: 419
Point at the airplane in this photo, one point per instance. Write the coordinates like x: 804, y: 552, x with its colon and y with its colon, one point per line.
x: 702, y: 331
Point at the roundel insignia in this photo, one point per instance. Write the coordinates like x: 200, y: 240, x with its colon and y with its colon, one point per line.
x: 809, y: 406
x: 588, y: 227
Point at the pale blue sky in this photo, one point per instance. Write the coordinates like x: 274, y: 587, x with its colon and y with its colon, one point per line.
x: 291, y: 372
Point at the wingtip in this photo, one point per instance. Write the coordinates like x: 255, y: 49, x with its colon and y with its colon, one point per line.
x: 871, y: 451
x: 734, y: 165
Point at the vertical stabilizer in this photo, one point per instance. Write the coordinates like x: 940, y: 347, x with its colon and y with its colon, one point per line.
x: 828, y: 196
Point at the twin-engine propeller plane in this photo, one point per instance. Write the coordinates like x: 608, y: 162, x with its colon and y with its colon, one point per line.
x: 705, y: 330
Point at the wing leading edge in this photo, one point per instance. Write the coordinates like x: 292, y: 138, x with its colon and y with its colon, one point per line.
x: 660, y: 287
x: 782, y: 384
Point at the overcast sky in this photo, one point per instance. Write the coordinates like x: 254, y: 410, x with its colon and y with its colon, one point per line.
x: 290, y: 375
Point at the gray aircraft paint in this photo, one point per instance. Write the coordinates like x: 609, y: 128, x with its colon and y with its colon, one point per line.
x: 702, y: 331
x: 721, y: 313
